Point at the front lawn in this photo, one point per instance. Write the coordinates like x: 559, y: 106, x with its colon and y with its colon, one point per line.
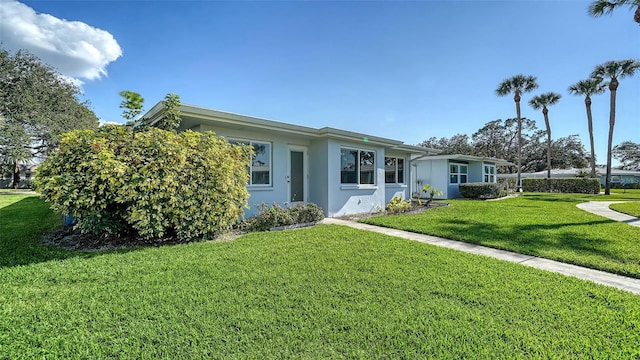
x: 629, y: 208
x: 545, y: 225
x: 323, y: 292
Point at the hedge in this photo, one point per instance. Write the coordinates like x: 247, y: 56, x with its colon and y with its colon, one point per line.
x: 482, y: 190
x: 153, y: 184
x: 568, y: 185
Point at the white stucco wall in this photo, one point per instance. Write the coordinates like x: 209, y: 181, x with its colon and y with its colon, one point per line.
x: 346, y: 199
x: 434, y: 172
x: 319, y: 173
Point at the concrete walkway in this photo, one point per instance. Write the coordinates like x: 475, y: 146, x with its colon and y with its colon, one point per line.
x: 621, y: 282
x: 601, y: 208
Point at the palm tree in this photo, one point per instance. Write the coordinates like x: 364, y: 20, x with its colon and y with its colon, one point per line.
x: 517, y: 85
x: 613, y: 70
x: 601, y: 7
x: 587, y: 88
x: 542, y: 101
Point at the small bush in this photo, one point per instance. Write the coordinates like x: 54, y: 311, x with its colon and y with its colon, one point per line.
x: 508, y: 184
x: 482, y: 190
x: 276, y: 215
x: 397, y: 205
x: 306, y: 213
x: 568, y: 185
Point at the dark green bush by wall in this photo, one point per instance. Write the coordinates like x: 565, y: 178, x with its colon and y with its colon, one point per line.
x: 482, y: 190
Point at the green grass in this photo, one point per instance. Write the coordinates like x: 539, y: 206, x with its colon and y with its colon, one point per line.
x: 629, y: 208
x: 323, y: 292
x: 545, y: 225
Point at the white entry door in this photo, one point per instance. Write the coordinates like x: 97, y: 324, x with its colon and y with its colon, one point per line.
x: 297, y: 175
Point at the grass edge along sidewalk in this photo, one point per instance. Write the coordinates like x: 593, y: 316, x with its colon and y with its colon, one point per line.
x: 549, y: 226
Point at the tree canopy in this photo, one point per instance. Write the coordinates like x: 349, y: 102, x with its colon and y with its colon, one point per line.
x: 37, y: 105
x: 498, y: 139
x: 628, y: 153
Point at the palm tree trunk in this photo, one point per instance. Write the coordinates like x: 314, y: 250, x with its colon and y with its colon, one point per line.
x: 612, y: 122
x: 587, y: 102
x: 546, y: 122
x: 516, y: 98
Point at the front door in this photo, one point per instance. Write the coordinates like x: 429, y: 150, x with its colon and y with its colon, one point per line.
x: 297, y: 177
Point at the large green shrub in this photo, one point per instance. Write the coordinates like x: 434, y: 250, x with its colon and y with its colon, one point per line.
x: 482, y: 190
x: 568, y: 185
x: 154, y: 183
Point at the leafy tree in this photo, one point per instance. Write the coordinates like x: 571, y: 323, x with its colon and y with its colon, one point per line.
x: 543, y: 101
x: 132, y: 103
x: 587, y: 88
x: 457, y: 144
x: 628, y: 153
x: 568, y: 152
x: 613, y: 70
x: 169, y: 118
x: 517, y: 85
x: 166, y: 119
x: 36, y: 105
x: 601, y: 7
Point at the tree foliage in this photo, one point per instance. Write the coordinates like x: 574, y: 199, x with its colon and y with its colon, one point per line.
x: 628, y: 153
x: 153, y: 184
x: 601, y: 7
x: 36, y: 105
x: 497, y: 139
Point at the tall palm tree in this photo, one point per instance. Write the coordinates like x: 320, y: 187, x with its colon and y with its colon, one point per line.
x: 517, y: 85
x: 601, y: 7
x: 587, y: 88
x: 613, y: 70
x: 542, y: 101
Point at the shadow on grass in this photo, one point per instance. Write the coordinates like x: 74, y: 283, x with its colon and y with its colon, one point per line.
x: 534, y: 239
x: 22, y: 226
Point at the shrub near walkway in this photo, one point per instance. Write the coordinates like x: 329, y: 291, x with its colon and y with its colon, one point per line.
x: 544, y: 225
x: 324, y: 292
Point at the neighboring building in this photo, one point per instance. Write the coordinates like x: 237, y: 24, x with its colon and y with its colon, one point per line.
x: 617, y: 176
x: 343, y: 172
x: 447, y: 172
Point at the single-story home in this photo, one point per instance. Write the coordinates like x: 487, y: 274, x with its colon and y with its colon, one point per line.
x: 446, y: 172
x: 343, y: 172
x: 617, y: 176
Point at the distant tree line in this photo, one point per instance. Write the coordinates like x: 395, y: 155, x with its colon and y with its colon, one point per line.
x: 498, y: 139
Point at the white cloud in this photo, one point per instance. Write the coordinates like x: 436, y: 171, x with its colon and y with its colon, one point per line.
x: 75, y: 49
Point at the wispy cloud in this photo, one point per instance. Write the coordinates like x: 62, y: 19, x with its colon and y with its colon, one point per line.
x: 77, y: 50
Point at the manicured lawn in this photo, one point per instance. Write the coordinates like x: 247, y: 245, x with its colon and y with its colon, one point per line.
x: 323, y: 292
x: 629, y: 208
x: 546, y: 225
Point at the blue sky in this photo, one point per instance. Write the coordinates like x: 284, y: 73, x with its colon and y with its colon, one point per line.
x: 402, y: 70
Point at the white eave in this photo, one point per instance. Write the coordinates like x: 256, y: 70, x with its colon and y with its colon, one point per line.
x: 192, y: 114
x: 461, y: 157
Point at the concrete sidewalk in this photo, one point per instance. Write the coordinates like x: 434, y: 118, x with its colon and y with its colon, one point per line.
x: 621, y: 282
x: 601, y: 208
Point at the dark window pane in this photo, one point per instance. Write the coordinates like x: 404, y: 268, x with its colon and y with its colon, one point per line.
x: 348, y: 166
x: 367, y: 169
x: 401, y: 171
x: 389, y: 170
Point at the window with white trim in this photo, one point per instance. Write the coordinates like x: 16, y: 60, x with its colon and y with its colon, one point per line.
x: 260, y: 167
x: 357, y: 166
x: 393, y: 170
x: 458, y: 173
x: 489, y: 173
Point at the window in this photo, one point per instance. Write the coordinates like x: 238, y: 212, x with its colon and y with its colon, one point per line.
x: 260, y: 167
x: 357, y: 166
x: 393, y: 170
x: 458, y: 173
x: 489, y: 173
